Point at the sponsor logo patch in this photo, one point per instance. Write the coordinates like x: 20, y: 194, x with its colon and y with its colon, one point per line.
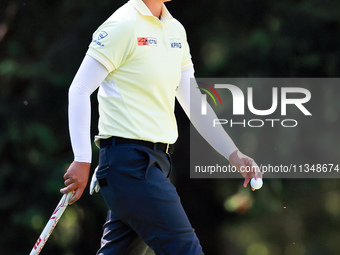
x: 102, y: 35
x: 98, y: 43
x: 175, y: 43
x: 147, y: 41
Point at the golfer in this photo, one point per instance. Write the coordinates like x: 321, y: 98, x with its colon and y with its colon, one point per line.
x: 140, y: 60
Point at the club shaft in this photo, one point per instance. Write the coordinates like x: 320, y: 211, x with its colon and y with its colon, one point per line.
x: 51, y: 224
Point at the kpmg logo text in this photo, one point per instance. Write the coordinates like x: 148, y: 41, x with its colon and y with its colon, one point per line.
x: 175, y: 43
x: 294, y: 96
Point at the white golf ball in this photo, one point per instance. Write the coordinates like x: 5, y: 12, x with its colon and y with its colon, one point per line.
x: 256, y: 184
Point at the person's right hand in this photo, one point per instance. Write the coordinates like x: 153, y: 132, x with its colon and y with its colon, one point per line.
x: 76, y: 178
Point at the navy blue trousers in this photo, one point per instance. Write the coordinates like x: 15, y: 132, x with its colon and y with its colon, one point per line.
x: 144, y: 207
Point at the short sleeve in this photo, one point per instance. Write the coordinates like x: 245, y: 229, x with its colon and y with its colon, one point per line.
x: 112, y: 43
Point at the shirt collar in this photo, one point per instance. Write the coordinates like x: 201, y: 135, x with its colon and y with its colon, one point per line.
x: 166, y: 15
x: 144, y: 10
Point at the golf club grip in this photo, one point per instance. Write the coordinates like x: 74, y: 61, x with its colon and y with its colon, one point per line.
x: 45, y: 234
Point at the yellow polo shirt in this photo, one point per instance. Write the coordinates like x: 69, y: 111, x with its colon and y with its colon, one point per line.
x: 144, y: 57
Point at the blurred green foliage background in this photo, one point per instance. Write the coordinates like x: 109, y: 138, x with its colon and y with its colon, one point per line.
x: 42, y: 44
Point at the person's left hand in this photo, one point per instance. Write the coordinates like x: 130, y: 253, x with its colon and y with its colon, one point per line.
x: 246, y: 166
x: 94, y: 186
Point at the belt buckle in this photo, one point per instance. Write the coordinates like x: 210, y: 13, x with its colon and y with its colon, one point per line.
x: 167, y: 148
